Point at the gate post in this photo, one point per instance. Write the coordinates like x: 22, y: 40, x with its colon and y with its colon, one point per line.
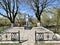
x: 19, y: 36
x: 35, y: 38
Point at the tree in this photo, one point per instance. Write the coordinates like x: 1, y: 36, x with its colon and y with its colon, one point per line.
x: 55, y: 18
x: 46, y: 20
x: 21, y: 19
x: 38, y: 6
x: 58, y: 18
x: 11, y: 8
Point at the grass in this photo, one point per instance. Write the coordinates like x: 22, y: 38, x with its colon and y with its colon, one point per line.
x: 3, y: 28
x: 48, y: 44
x: 36, y: 44
x: 10, y: 44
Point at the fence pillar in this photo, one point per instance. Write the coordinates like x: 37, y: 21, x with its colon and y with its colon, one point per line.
x: 19, y: 36
x: 35, y: 38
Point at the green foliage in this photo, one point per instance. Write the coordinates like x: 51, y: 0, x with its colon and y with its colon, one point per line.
x: 52, y: 17
x: 46, y: 19
x: 4, y: 21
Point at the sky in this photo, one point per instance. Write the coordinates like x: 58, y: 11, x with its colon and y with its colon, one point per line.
x: 25, y: 9
x: 28, y: 10
x: 1, y: 16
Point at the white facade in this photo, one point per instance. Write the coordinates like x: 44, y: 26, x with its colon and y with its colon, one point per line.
x: 31, y: 36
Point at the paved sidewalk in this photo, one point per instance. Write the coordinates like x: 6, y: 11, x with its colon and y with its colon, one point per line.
x: 48, y: 42
x: 9, y: 41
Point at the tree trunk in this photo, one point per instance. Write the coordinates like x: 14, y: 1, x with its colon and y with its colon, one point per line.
x: 39, y: 21
x: 38, y: 24
x: 38, y: 13
x: 12, y: 25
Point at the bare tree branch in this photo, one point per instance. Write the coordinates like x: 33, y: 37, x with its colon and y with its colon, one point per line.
x: 39, y: 6
x: 2, y: 15
x: 11, y: 9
